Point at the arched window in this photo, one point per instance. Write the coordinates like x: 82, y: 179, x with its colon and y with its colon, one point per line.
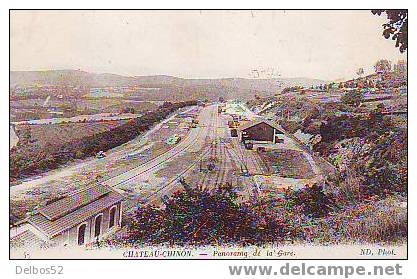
x: 81, y: 234
x: 112, y: 217
x: 97, y: 225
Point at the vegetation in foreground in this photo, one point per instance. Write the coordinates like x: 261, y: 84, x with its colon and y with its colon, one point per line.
x: 196, y: 216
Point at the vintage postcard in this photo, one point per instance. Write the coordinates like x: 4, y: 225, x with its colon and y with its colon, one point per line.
x: 208, y: 134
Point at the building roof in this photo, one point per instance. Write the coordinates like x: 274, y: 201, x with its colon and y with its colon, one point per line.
x: 76, y: 200
x: 90, y: 202
x: 261, y: 120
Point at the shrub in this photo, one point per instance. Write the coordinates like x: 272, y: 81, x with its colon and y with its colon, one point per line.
x: 385, y: 165
x: 312, y: 200
x: 352, y: 98
x: 197, y: 216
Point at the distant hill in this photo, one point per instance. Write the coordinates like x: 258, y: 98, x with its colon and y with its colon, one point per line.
x: 66, y: 77
x: 170, y: 86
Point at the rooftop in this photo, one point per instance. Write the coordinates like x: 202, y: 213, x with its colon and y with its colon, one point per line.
x: 74, y: 209
x: 261, y: 120
x: 76, y: 200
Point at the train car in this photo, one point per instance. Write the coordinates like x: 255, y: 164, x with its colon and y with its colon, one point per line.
x: 244, y: 171
x: 211, y: 164
x: 174, y: 139
x: 261, y: 149
x: 101, y: 155
x: 233, y: 124
x: 249, y: 145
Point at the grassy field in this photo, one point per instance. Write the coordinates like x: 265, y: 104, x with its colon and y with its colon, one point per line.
x: 34, y: 109
x: 62, y: 133
x: 287, y: 163
x: 113, y: 105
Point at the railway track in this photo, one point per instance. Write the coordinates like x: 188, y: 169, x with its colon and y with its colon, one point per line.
x: 218, y: 148
x: 157, y: 161
x: 147, y: 133
x: 222, y: 152
x: 173, y: 180
x: 250, y: 158
x: 152, y: 164
x: 212, y: 150
x: 215, y: 148
x: 222, y: 167
x: 260, y: 163
x: 219, y: 154
x: 166, y: 187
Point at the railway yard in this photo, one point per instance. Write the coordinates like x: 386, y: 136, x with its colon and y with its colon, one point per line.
x: 147, y: 169
x: 219, y: 149
x: 203, y: 134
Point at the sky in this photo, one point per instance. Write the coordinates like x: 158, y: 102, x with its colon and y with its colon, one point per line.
x: 328, y: 45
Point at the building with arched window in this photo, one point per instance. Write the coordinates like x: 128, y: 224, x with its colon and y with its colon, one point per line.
x: 80, y: 218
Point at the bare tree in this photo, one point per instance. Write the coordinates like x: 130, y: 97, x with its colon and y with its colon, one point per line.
x: 382, y: 66
x: 360, y: 72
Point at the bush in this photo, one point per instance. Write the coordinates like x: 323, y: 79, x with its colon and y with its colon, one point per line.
x: 385, y: 166
x: 337, y: 128
x: 380, y: 223
x: 290, y: 126
x: 312, y: 200
x: 197, y: 216
x: 367, y: 222
x: 371, y: 167
x: 352, y: 98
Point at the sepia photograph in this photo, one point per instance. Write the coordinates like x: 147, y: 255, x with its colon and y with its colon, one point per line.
x: 208, y: 134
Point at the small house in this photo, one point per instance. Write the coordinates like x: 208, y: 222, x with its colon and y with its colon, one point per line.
x: 261, y: 131
x: 82, y: 217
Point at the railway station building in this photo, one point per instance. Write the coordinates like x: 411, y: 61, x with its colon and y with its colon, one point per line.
x: 261, y: 131
x: 81, y: 218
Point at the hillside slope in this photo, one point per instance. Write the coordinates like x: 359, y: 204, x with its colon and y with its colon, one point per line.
x: 170, y: 87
